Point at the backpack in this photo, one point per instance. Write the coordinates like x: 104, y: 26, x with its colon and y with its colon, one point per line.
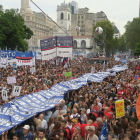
x: 70, y: 135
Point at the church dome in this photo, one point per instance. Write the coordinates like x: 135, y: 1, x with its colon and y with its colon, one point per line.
x: 29, y: 11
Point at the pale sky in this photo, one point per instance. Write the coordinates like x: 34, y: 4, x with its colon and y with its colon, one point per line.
x: 117, y: 11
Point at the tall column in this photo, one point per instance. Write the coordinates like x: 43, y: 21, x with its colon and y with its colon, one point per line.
x: 23, y: 4
x: 27, y: 3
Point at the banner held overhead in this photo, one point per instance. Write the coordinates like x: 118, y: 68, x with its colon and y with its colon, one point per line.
x: 48, y: 48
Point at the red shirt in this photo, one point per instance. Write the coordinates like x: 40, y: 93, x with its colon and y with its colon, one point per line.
x: 78, y: 124
x: 83, y: 129
x: 95, y: 109
x: 72, y: 129
x: 108, y: 115
x: 119, y: 94
x: 59, y: 75
x: 94, y: 124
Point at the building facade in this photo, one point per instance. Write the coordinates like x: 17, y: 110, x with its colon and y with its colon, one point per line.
x: 117, y: 32
x: 86, y: 21
x: 63, y: 20
x: 74, y: 7
x: 69, y: 18
x: 37, y: 22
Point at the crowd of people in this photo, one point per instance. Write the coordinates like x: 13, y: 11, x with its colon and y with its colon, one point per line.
x: 83, y: 112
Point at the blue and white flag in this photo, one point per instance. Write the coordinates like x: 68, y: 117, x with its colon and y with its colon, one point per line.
x: 104, y: 65
x: 24, y: 55
x: 103, y: 135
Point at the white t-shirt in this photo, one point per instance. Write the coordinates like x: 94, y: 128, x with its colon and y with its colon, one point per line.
x: 44, y: 124
x: 74, y: 115
x: 100, y: 106
x: 50, y: 128
x: 69, y: 126
x: 93, y: 138
x: 88, y: 111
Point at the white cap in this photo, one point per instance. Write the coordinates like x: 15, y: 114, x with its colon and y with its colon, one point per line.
x: 27, y: 127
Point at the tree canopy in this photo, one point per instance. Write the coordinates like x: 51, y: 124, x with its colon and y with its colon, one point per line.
x: 137, y: 49
x: 106, y: 36
x: 13, y: 31
x: 132, y: 33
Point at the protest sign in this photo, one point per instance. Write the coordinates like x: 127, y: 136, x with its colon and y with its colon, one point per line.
x: 119, y: 105
x: 32, y: 70
x: 16, y: 90
x: 29, y: 62
x: 4, y: 95
x: 11, y: 80
x: 68, y: 74
x: 92, y: 70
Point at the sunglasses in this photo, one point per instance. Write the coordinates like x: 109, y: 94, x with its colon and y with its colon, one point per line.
x: 90, y: 130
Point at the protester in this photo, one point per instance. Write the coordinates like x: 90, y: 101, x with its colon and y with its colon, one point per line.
x: 41, y: 135
x: 83, y: 112
x: 91, y: 134
x: 23, y: 133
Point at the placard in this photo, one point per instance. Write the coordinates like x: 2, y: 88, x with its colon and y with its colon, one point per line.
x: 4, y: 95
x: 11, y: 80
x: 92, y: 70
x: 68, y: 74
x: 32, y: 70
x: 16, y: 90
x: 120, y: 111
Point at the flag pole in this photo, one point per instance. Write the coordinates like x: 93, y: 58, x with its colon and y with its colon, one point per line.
x: 56, y: 53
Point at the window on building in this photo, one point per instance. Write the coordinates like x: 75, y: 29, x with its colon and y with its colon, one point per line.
x: 82, y: 26
x: 82, y: 17
x: 83, y: 44
x: 82, y: 21
x: 78, y: 17
x: 62, y: 16
x: 27, y: 17
x: 78, y: 21
x: 74, y: 44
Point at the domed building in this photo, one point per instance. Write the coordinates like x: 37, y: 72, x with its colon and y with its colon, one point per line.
x: 37, y: 22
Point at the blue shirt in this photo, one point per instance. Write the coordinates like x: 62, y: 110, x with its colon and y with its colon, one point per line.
x: 21, y: 136
x: 47, y: 117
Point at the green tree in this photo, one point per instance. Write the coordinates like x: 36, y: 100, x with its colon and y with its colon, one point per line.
x: 137, y: 49
x: 13, y: 31
x: 106, y: 36
x: 122, y: 46
x: 132, y: 33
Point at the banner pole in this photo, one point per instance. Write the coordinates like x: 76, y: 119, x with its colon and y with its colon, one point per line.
x: 56, y: 53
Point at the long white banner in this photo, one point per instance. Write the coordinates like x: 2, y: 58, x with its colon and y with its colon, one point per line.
x: 48, y: 54
x: 30, y: 62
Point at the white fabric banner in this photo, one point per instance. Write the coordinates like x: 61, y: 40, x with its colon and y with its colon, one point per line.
x: 48, y: 54
x: 64, y: 52
x: 25, y: 62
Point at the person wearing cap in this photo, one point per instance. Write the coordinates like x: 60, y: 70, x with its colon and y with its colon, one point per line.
x: 23, y: 133
x: 74, y: 124
x: 91, y: 134
x: 77, y: 132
